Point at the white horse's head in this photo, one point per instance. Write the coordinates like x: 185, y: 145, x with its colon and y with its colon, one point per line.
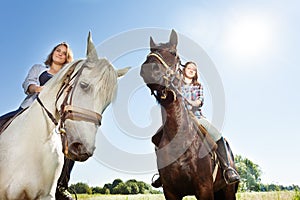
x: 88, y: 88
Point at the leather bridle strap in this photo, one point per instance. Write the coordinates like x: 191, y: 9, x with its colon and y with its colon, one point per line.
x: 47, y: 111
x: 82, y: 114
x: 160, y: 59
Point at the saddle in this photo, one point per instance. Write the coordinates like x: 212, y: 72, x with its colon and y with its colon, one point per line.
x: 209, y: 143
x: 5, y: 123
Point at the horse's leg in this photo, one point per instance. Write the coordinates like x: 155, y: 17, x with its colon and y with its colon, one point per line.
x: 230, y: 191
x: 169, y: 195
x: 226, y: 193
x: 204, y: 193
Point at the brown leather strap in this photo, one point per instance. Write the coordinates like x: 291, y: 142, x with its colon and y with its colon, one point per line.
x: 82, y: 114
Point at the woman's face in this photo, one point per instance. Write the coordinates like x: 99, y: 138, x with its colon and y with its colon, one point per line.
x: 190, y: 70
x: 60, y: 55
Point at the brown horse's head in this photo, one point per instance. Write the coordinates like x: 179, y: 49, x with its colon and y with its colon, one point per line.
x: 160, y: 68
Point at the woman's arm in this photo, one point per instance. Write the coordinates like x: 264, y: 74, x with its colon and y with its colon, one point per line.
x: 31, y: 83
x: 197, y: 99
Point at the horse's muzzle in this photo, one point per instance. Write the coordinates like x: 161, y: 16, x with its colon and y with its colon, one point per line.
x: 78, y: 152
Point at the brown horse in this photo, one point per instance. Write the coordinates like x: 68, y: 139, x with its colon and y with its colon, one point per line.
x: 185, y: 162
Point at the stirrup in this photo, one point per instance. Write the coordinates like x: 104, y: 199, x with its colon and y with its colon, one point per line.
x: 224, y: 175
x: 157, y: 183
x: 152, y: 180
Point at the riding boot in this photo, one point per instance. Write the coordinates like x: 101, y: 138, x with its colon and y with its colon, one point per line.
x: 229, y: 173
x: 62, y: 192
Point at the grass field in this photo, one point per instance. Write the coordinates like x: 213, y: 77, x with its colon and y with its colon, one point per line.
x: 280, y: 195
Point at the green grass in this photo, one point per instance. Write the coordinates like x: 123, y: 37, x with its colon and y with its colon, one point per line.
x: 280, y: 195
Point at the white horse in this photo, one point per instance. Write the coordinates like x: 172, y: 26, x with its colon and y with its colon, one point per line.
x: 31, y: 148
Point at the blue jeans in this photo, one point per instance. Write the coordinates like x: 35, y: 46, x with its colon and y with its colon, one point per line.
x: 212, y: 130
x: 4, y: 118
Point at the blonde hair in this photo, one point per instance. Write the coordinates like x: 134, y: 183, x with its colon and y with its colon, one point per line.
x: 69, y: 55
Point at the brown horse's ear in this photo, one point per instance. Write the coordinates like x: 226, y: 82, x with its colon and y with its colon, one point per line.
x: 152, y: 43
x: 173, y: 38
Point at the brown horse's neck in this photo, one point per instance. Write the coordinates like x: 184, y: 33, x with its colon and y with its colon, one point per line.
x: 177, y: 122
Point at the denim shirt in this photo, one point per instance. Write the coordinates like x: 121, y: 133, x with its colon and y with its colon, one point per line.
x: 32, y: 78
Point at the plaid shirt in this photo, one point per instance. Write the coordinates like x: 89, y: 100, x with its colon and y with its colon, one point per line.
x: 193, y: 92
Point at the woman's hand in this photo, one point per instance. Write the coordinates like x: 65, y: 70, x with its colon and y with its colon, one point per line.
x: 195, y: 103
x: 34, y: 89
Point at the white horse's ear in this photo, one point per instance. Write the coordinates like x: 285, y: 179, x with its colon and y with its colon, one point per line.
x: 91, y: 52
x: 122, y: 72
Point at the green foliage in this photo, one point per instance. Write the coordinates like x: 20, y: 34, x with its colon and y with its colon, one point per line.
x: 121, y: 188
x: 81, y: 188
x: 297, y: 194
x: 116, y: 187
x: 250, y: 181
x: 116, y: 182
x: 250, y: 174
x: 97, y: 190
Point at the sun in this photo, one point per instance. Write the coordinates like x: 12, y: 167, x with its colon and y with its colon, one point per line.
x: 249, y: 37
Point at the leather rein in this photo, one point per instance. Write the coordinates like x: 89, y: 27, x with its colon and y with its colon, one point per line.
x: 67, y: 110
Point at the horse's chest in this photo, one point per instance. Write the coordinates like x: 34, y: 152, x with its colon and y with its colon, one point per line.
x: 182, y: 169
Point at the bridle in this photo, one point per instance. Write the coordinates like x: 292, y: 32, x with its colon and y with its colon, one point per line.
x: 169, y: 76
x: 67, y: 110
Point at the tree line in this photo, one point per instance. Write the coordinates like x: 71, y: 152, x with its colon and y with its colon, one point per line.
x: 250, y: 174
x: 250, y: 181
x: 131, y: 186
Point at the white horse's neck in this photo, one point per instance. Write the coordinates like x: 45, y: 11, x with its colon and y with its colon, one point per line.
x: 35, y: 117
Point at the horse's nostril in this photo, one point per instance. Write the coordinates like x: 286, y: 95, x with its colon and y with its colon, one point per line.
x: 77, y: 146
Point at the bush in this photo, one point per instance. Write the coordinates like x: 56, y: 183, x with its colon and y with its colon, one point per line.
x: 81, y: 188
x: 297, y: 195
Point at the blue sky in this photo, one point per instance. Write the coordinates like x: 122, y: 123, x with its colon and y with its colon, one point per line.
x: 253, y: 46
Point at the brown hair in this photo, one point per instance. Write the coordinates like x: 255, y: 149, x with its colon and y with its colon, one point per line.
x: 69, y: 55
x: 195, y: 78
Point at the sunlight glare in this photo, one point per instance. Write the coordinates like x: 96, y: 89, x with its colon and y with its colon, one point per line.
x: 249, y: 37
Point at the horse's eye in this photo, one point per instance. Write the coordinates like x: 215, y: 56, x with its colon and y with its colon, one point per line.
x: 84, y: 85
